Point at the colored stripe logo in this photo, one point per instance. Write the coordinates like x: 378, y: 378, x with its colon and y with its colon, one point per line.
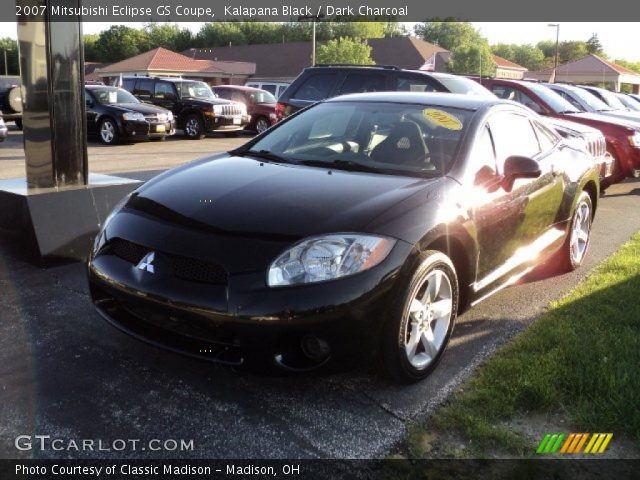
x: 573, y: 443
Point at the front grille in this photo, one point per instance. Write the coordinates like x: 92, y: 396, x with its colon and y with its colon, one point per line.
x: 157, y: 118
x: 231, y: 110
x: 185, y: 268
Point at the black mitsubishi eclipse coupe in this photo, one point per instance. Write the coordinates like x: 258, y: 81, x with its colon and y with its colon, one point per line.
x: 357, y: 227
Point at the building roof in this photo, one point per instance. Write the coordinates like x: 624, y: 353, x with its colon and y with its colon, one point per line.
x: 504, y: 63
x: 287, y: 60
x: 161, y: 59
x: 91, y: 70
x: 590, y: 64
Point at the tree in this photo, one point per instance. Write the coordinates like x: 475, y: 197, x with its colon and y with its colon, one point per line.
x: 505, y: 50
x: 10, y: 46
x: 472, y: 59
x: 91, y: 52
x: 167, y: 35
x: 357, y: 29
x: 120, y: 42
x: 526, y: 55
x: 449, y: 34
x: 345, y: 50
x: 568, y: 51
x: 593, y: 45
x: 219, y: 34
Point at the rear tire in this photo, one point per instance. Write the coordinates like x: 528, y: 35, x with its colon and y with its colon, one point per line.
x: 420, y: 322
x: 262, y: 124
x: 575, y: 247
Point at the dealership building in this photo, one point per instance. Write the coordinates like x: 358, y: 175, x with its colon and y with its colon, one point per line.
x: 281, y: 62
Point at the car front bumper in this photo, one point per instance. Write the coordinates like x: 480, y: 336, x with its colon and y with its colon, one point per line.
x: 157, y: 129
x: 134, y: 131
x: 247, y: 323
x: 227, y: 123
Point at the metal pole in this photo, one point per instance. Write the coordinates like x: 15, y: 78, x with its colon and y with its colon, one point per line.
x: 313, y: 44
x: 6, y: 67
x: 557, y: 43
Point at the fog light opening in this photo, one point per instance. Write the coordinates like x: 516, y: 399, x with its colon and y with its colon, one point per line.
x: 315, y: 348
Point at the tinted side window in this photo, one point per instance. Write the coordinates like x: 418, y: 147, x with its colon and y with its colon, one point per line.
x: 512, y: 135
x: 238, y: 97
x: 164, y: 90
x: 363, y: 82
x: 546, y: 137
x: 413, y: 84
x: 504, y: 92
x: 128, y: 84
x: 483, y: 156
x: 569, y: 99
x: 269, y: 88
x: 316, y: 87
x: 144, y: 88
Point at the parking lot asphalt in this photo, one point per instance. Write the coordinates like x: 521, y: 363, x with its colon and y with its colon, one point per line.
x: 68, y: 374
x: 133, y: 157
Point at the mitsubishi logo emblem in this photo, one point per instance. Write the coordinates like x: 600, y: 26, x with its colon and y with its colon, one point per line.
x: 146, y: 264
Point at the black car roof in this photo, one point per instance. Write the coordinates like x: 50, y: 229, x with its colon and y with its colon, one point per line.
x: 453, y: 100
x: 164, y: 79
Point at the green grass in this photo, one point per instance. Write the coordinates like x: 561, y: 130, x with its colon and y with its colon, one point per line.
x: 580, y: 360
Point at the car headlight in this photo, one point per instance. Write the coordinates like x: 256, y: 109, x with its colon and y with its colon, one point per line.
x: 328, y: 257
x: 170, y: 117
x: 217, y: 109
x: 133, y: 116
x: 635, y: 139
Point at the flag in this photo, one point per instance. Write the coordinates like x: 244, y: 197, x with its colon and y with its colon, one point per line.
x: 429, y: 64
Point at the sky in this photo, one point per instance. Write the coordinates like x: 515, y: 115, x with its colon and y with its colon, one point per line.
x: 620, y: 40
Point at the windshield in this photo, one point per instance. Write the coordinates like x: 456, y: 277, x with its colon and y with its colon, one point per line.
x: 464, y: 86
x: 555, y: 101
x: 261, y: 97
x: 110, y: 96
x: 611, y: 99
x: 194, y: 90
x: 590, y: 99
x: 390, y: 138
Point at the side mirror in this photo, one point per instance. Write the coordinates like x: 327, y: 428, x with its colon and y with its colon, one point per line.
x: 521, y: 167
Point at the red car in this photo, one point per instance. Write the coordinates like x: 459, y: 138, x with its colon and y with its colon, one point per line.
x: 623, y: 137
x: 261, y: 105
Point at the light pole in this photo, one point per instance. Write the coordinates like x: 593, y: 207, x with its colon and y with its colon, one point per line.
x: 557, y: 27
x: 313, y: 19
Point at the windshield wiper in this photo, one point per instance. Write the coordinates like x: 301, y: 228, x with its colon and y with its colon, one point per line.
x: 263, y: 154
x: 342, y: 165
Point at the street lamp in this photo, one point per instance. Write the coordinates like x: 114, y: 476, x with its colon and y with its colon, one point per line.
x: 313, y: 19
x: 557, y: 27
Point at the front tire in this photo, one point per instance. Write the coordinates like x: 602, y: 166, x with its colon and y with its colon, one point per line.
x: 108, y: 132
x: 261, y: 125
x: 577, y: 242
x: 420, y: 322
x: 194, y: 127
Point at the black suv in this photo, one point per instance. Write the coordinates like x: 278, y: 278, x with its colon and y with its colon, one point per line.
x: 196, y: 108
x: 326, y: 81
x: 11, y: 99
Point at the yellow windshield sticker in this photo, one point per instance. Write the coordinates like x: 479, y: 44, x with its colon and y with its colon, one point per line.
x: 442, y: 119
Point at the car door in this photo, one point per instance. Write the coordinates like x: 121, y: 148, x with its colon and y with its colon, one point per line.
x: 165, y: 95
x: 512, y: 219
x: 541, y: 197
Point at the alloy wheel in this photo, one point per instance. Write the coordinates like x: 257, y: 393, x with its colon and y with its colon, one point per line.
x: 192, y: 127
x: 428, y: 319
x: 261, y: 125
x: 580, y: 231
x: 107, y: 131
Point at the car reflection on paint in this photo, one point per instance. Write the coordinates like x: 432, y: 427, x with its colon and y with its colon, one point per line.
x: 356, y: 228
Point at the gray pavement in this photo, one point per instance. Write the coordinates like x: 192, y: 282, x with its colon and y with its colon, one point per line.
x: 64, y: 372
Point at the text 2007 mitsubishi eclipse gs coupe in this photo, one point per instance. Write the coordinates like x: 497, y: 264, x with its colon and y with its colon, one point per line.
x: 357, y: 227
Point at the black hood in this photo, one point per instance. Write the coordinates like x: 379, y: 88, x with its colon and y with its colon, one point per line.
x: 247, y: 197
x: 143, y: 108
x: 206, y: 101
